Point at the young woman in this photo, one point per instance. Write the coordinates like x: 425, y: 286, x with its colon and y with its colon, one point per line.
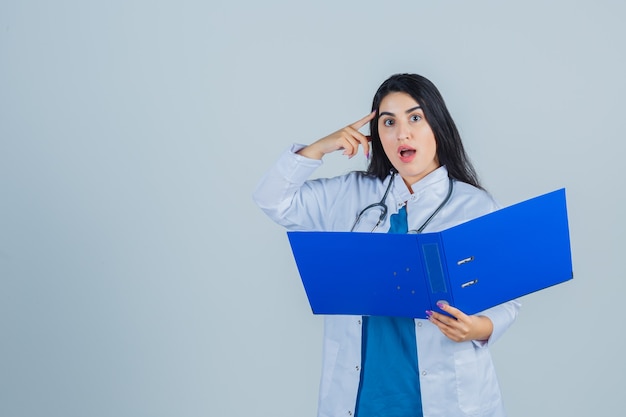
x: 395, y: 366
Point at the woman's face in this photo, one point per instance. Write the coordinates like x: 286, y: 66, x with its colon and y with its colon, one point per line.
x: 406, y: 136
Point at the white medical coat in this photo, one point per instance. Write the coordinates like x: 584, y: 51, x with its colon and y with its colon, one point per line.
x: 456, y: 379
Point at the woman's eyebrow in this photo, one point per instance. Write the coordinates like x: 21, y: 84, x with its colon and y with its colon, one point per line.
x: 413, y: 109
x: 387, y: 113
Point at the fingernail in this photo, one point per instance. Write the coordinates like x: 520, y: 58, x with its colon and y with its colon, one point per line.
x: 429, y: 313
x: 441, y: 305
x: 367, y: 155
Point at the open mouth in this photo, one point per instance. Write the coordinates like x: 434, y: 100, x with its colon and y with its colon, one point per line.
x: 406, y: 152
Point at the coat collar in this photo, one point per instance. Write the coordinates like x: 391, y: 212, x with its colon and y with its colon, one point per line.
x: 436, y: 179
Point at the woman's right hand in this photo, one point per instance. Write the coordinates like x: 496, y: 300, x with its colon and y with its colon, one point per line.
x: 347, y: 139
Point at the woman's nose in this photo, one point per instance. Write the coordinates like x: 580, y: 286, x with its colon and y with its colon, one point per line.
x: 403, y: 131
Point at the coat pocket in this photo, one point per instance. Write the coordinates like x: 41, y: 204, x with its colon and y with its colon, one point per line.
x: 476, y: 383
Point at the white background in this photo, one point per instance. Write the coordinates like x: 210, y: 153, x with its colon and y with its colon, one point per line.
x: 137, y: 277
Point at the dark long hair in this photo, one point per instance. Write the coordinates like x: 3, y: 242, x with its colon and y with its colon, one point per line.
x: 450, y: 150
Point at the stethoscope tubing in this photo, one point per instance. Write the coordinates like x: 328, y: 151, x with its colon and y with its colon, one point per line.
x: 381, y: 204
x: 384, y: 209
x: 438, y: 209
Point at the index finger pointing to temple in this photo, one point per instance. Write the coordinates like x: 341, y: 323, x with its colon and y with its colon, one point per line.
x: 360, y: 123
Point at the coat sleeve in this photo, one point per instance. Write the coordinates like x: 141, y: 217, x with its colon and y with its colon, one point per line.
x: 277, y: 189
x: 502, y: 316
x: 289, y: 199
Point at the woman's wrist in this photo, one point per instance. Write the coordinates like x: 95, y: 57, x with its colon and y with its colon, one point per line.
x: 311, y: 152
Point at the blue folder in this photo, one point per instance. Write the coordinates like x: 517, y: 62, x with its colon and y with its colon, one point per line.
x: 473, y: 266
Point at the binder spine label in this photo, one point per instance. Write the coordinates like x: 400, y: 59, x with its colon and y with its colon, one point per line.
x: 434, y: 268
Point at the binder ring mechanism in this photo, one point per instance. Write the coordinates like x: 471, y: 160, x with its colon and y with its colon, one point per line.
x: 464, y: 261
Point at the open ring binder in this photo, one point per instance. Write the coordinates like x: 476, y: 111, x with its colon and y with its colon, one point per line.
x: 473, y: 266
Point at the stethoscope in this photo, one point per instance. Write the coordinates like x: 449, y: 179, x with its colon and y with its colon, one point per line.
x: 383, y: 207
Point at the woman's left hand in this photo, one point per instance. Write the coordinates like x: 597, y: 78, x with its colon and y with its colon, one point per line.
x: 461, y: 327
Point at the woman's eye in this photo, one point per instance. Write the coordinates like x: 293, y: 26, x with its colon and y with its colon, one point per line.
x: 388, y: 122
x: 416, y: 118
